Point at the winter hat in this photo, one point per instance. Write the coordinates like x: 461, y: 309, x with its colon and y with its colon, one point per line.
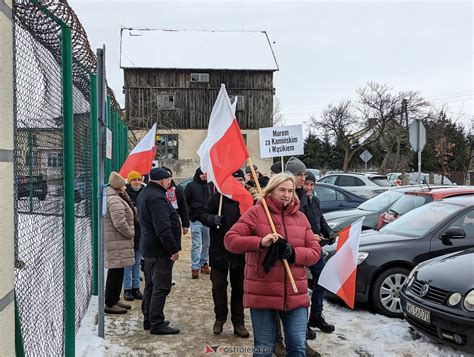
x: 167, y: 169
x: 132, y: 175
x: 295, y: 166
x: 263, y: 181
x: 239, y: 173
x: 158, y: 173
x: 276, y: 167
x: 116, y: 181
x: 310, y: 176
x: 249, y: 170
x: 199, y: 171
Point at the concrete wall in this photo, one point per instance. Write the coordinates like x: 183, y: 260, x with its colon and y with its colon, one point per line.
x: 188, y: 144
x: 7, y: 321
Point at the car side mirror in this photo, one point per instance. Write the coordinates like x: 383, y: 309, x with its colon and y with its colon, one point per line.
x: 452, y: 233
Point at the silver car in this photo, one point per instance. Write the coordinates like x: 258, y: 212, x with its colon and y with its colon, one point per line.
x: 365, y: 185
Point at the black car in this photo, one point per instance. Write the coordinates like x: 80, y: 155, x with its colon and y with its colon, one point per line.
x: 34, y: 186
x: 439, y: 306
x: 335, y: 198
x: 386, y: 257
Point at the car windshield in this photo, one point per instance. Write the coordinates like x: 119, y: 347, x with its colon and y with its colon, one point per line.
x: 421, y: 220
x: 409, y: 202
x: 381, y: 181
x: 381, y: 201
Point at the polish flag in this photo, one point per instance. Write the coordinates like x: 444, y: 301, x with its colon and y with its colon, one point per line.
x: 223, y: 151
x: 142, y: 155
x: 339, y: 273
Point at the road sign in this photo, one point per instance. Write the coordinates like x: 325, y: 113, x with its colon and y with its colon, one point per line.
x: 417, y: 135
x: 365, y: 156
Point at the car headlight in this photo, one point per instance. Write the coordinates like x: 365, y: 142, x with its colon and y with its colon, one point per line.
x: 469, y: 301
x: 361, y: 257
x: 411, y: 277
x: 454, y: 299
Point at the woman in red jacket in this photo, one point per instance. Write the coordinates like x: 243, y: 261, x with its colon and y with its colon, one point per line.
x: 267, y: 289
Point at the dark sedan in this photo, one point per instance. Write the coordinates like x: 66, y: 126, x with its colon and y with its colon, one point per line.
x: 370, y: 209
x: 439, y: 306
x: 386, y: 257
x: 335, y: 198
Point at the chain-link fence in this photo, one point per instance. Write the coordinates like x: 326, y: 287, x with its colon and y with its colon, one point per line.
x: 41, y: 275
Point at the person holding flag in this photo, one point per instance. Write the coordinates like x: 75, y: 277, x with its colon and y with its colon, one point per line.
x: 268, y: 292
x: 220, y: 214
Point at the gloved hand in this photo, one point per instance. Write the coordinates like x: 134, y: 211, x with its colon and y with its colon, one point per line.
x: 217, y: 220
x: 285, y: 251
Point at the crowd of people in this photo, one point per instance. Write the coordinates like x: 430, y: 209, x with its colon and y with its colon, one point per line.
x: 144, y: 225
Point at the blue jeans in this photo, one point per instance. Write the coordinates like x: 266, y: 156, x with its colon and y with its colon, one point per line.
x: 294, y: 325
x: 317, y: 298
x: 131, y: 277
x: 199, y: 245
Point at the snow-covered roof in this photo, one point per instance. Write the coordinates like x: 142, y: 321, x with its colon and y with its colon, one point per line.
x: 195, y: 49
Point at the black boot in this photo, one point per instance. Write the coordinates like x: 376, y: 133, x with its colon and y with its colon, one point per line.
x: 320, y: 322
x: 310, y: 334
x: 137, y: 294
x: 128, y: 295
x: 164, y: 330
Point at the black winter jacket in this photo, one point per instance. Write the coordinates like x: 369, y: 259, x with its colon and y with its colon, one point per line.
x: 161, y: 230
x: 316, y: 218
x: 197, y: 194
x: 303, y: 196
x: 133, y: 197
x: 219, y: 257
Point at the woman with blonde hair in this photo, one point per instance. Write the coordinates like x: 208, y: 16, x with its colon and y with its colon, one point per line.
x: 119, y: 232
x: 268, y: 291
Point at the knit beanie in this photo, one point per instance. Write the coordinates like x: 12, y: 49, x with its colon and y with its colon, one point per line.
x: 132, y: 175
x: 239, y: 173
x: 295, y: 166
x: 310, y: 176
x: 116, y: 181
x: 276, y: 167
x: 158, y: 173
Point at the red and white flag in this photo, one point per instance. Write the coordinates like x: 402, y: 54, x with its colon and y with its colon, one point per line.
x: 142, y: 155
x: 223, y: 151
x: 339, y: 273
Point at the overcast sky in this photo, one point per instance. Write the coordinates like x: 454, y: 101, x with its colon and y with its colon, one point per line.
x: 325, y: 50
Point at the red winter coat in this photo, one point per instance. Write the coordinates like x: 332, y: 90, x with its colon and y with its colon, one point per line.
x: 273, y: 290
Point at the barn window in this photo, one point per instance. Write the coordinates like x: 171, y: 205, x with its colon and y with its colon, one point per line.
x: 166, y: 101
x: 199, y: 77
x: 167, y: 146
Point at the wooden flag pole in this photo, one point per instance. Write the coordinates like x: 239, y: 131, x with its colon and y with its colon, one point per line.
x: 220, y: 208
x: 270, y: 220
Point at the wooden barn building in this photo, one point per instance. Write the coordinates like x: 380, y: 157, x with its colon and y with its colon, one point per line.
x: 173, y: 77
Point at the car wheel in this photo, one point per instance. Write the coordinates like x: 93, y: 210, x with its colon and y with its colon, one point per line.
x: 386, y: 291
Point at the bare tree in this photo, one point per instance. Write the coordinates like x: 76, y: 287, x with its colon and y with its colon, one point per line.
x: 348, y: 130
x: 382, y: 110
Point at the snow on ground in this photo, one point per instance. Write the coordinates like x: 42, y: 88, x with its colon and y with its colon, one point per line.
x: 189, y: 307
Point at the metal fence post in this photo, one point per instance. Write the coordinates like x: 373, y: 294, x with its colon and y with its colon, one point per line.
x: 68, y: 164
x: 19, y: 345
x: 95, y: 182
x: 108, y: 162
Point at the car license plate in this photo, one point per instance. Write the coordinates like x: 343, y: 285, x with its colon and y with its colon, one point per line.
x: 418, y: 312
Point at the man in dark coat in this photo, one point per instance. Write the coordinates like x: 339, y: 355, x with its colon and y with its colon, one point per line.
x: 175, y: 195
x: 160, y: 245
x: 224, y: 263
x: 320, y: 227
x: 297, y: 168
x: 197, y: 193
